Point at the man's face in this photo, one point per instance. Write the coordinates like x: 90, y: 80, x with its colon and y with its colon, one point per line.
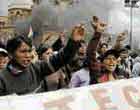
x: 23, y: 55
x: 123, y: 55
x: 110, y: 62
x: 3, y: 61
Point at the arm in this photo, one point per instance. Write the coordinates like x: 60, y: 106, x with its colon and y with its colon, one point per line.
x: 94, y: 65
x: 2, y: 88
x: 65, y: 56
x: 92, y: 46
x: 136, y: 70
x: 57, y: 45
x: 75, y: 81
x: 60, y: 42
x: 58, y: 60
x: 98, y: 27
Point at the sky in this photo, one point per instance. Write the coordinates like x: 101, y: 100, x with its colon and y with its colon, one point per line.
x: 3, y: 7
x: 119, y: 19
x: 118, y: 16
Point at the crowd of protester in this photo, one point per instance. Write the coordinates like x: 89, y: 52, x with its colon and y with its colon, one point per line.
x: 26, y: 69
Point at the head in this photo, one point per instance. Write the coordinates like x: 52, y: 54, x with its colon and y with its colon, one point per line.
x: 4, y: 59
x: 103, y: 48
x: 82, y: 49
x: 20, y: 50
x: 109, y: 59
x: 123, y: 53
x: 44, y: 51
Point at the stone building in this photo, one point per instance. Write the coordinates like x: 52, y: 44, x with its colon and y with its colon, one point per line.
x: 6, y: 29
x: 19, y: 9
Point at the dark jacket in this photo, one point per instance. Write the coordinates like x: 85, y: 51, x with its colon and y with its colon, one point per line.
x: 28, y: 80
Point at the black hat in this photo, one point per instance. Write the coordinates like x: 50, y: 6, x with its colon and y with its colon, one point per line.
x: 113, y: 52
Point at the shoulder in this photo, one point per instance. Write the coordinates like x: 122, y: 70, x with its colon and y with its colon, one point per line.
x: 4, y: 73
x: 137, y: 64
x: 82, y: 71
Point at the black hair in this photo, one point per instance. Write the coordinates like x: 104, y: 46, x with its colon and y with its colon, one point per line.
x: 128, y: 47
x: 3, y: 54
x: 16, y: 42
x: 110, y: 52
x: 123, y: 50
x: 42, y: 48
x: 2, y: 45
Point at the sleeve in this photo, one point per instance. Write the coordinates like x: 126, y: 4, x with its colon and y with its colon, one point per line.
x: 94, y: 65
x: 136, y: 70
x: 75, y: 81
x: 2, y: 88
x: 57, y: 45
x: 58, y: 60
x: 92, y: 46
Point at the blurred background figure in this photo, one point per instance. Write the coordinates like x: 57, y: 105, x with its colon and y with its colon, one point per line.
x: 4, y: 59
x: 44, y: 51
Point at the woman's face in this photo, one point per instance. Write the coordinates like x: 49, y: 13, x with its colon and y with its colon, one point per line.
x: 110, y: 63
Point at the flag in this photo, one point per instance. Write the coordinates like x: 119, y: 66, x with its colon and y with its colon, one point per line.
x: 30, y: 34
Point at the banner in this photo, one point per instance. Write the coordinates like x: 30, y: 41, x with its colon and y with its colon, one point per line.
x: 116, y: 95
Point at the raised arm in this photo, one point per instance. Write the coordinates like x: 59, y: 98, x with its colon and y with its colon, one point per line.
x: 66, y: 54
x: 98, y: 27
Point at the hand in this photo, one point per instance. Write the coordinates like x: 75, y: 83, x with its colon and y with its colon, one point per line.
x: 78, y: 32
x: 97, y: 25
x: 121, y: 36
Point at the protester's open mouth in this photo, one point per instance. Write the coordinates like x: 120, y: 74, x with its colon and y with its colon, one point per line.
x: 26, y: 62
x: 111, y: 66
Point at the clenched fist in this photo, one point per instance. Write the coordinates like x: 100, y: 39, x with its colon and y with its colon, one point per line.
x: 98, y: 25
x: 78, y: 32
x: 121, y: 36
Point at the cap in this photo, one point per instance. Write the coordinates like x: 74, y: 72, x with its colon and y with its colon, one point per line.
x: 4, y: 51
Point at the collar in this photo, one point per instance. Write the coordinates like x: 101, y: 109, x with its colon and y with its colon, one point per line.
x: 14, y: 70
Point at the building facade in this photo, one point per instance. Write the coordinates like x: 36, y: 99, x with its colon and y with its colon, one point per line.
x: 10, y: 12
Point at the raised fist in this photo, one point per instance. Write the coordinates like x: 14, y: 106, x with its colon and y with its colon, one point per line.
x: 121, y: 36
x: 78, y: 32
x: 98, y: 25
